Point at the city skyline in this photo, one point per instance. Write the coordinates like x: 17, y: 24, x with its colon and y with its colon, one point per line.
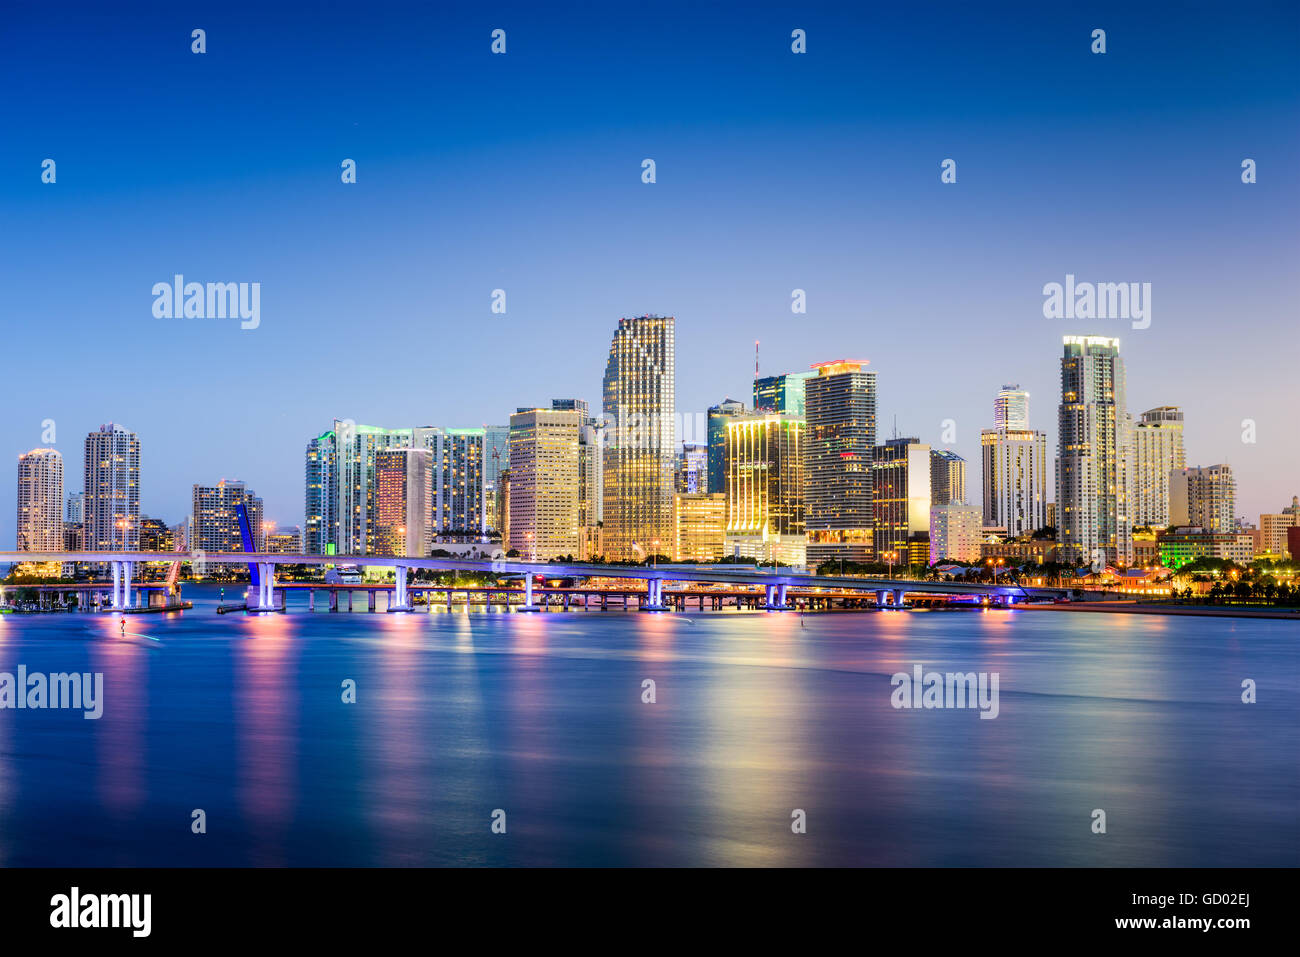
x: 828, y: 181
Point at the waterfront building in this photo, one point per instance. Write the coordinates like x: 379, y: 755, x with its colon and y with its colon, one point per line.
x: 783, y: 394
x: 155, y: 535
x: 543, y: 521
x: 718, y: 416
x: 40, y: 501
x: 639, y: 396
x: 840, y: 411
x: 1187, y: 543
x: 214, y: 520
x: 900, y: 488
x: 765, y: 488
x: 1094, y: 458
x: 1205, y: 497
x: 111, y: 490
x: 403, y: 503
x: 1274, y: 529
x: 1157, y: 451
x: 701, y: 523
x: 1013, y: 460
x: 285, y: 541
x: 955, y: 533
x: 947, y: 477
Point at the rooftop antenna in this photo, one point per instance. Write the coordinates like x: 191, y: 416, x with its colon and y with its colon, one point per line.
x: 755, y: 358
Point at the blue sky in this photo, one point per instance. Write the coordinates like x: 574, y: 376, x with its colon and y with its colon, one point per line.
x: 775, y: 171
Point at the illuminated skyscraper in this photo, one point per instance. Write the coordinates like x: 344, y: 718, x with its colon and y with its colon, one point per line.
x: 214, y: 522
x: 111, y: 490
x: 1093, y: 479
x: 765, y: 488
x: 947, y: 477
x: 841, y: 434
x: 640, y: 416
x: 900, y: 488
x: 40, y: 501
x: 954, y: 533
x: 403, y: 503
x: 701, y: 519
x: 718, y: 416
x: 544, y: 484
x: 1011, y: 409
x: 692, y: 474
x: 1014, y: 467
x: 1157, y: 451
x: 322, y: 507
x: 782, y: 393
x: 1204, y: 497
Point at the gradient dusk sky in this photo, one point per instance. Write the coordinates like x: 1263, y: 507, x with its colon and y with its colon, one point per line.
x: 775, y: 171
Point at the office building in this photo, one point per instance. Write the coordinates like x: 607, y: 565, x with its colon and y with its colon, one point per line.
x: 784, y: 394
x: 840, y: 405
x: 543, y: 516
x: 718, y: 416
x: 701, y: 522
x: 1011, y: 409
x: 900, y: 487
x: 692, y: 475
x: 947, y: 477
x: 639, y: 394
x: 765, y: 488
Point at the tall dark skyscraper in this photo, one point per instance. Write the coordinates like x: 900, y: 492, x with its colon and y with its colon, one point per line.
x: 719, y: 416
x: 840, y: 408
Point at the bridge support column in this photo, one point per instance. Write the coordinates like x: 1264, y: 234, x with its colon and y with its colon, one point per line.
x: 401, y: 598
x: 334, y: 599
x: 528, y: 595
x: 880, y: 598
x: 117, y: 585
x: 654, y: 595
x: 127, y: 568
x: 373, y: 600
x: 898, y: 598
x: 265, y: 587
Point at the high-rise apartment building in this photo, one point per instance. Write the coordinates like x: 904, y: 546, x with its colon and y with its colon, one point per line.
x: 718, y: 416
x: 1204, y: 497
x: 40, y: 501
x: 320, y: 532
x: 947, y: 477
x: 765, y: 488
x: 544, y: 484
x: 900, y: 488
x: 1273, y: 530
x: 1093, y: 479
x: 840, y: 407
x: 111, y: 490
x: 1157, y: 451
x: 214, y: 521
x: 155, y: 535
x: 403, y: 512
x: 955, y: 533
x: 1011, y: 409
x: 75, y: 510
x: 640, y: 413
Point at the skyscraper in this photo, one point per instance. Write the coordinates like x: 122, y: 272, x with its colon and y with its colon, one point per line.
x: 1157, y: 451
x: 701, y: 519
x: 214, y: 522
x: 954, y: 533
x: 900, y: 488
x: 544, y: 484
x: 111, y: 490
x: 640, y: 414
x: 1013, y: 461
x: 1095, y: 453
x: 718, y: 416
x: 320, y: 534
x: 947, y: 477
x: 403, y: 502
x: 765, y: 488
x: 782, y: 393
x: 1204, y: 497
x: 841, y: 433
x: 1011, y: 409
x: 40, y: 501
x: 692, y: 473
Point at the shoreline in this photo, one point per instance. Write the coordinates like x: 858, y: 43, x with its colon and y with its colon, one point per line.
x: 1136, y: 608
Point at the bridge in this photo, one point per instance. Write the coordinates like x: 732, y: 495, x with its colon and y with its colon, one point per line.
x: 776, y: 583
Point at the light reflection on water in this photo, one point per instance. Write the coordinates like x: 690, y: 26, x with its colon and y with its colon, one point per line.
x: 541, y: 715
